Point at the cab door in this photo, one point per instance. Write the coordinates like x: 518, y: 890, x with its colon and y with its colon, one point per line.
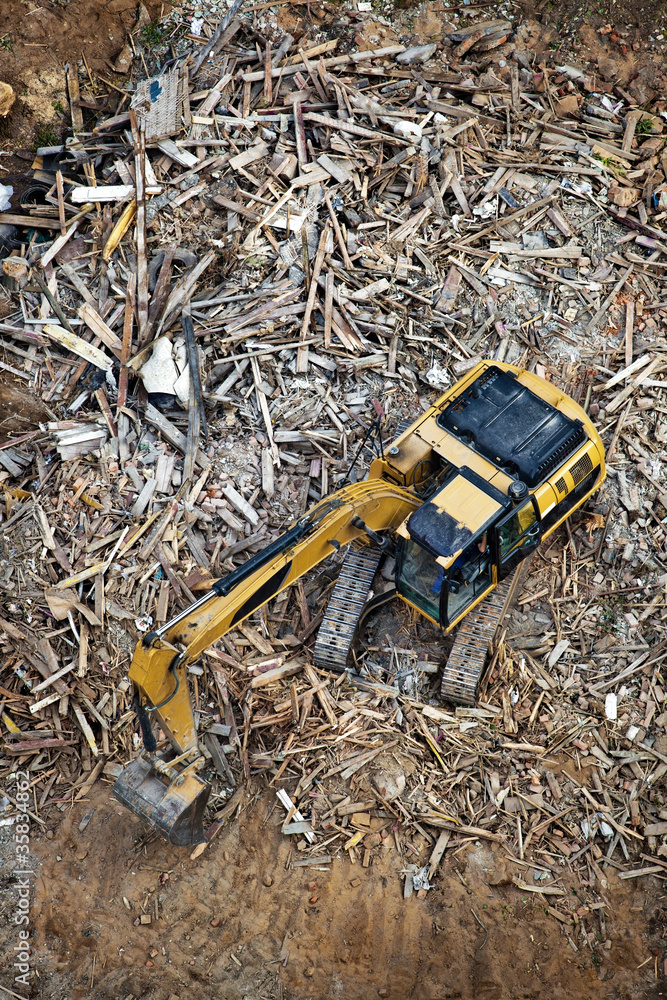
x: 419, y: 578
x: 517, y: 535
x: 468, y: 579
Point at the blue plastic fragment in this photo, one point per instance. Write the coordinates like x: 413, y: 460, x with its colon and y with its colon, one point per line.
x: 508, y: 198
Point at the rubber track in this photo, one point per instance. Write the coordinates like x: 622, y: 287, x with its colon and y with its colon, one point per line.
x: 339, y: 624
x: 466, y: 662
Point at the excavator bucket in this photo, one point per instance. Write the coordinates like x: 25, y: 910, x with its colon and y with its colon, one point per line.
x: 174, y: 808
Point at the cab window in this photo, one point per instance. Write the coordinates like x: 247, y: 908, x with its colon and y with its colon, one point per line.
x: 419, y: 577
x: 515, y: 532
x: 518, y: 535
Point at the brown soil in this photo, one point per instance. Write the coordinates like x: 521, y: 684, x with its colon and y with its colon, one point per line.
x: 622, y: 42
x: 240, y: 921
x: 37, y: 39
x: 638, y: 18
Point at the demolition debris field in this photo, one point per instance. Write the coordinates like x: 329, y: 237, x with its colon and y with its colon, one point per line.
x: 264, y: 231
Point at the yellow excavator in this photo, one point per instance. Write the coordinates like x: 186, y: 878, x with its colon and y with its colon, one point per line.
x: 460, y: 498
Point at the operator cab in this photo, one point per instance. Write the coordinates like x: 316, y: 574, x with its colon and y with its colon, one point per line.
x: 455, y: 548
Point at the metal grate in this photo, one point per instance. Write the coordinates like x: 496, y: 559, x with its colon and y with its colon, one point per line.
x: 159, y: 104
x: 554, y: 460
x: 581, y: 468
x: 560, y: 485
x: 489, y: 375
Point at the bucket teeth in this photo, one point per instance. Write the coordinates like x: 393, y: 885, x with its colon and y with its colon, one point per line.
x: 175, y: 808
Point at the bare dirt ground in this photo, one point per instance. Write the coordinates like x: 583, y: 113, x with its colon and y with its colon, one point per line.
x: 623, y: 42
x: 37, y: 40
x: 241, y: 921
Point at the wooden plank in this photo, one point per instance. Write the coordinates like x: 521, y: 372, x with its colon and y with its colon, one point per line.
x: 78, y: 346
x: 354, y: 57
x: 250, y: 155
x: 72, y: 78
x: 302, y: 354
x: 276, y: 674
x: 29, y: 221
x: 58, y: 244
x: 142, y: 262
x: 92, y: 319
x: 240, y: 504
x: 338, y: 172
x: 438, y: 852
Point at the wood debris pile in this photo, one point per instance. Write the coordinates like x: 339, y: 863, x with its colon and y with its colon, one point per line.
x: 214, y: 288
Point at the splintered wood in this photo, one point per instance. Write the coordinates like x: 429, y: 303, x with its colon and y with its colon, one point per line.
x: 282, y: 245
